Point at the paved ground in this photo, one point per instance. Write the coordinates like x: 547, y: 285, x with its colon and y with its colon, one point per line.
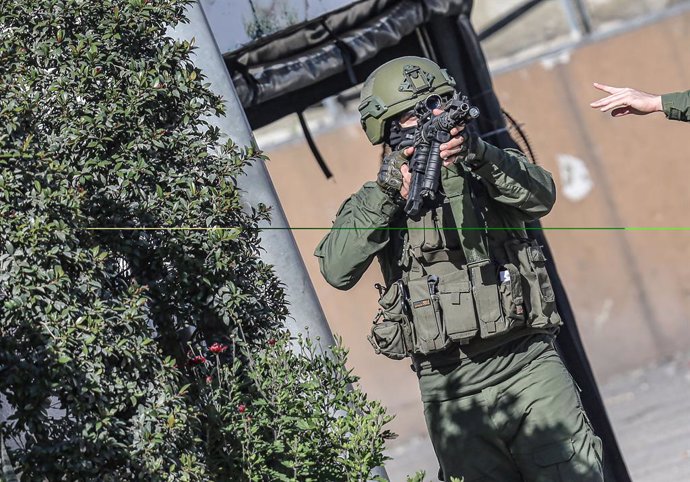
x: 650, y: 413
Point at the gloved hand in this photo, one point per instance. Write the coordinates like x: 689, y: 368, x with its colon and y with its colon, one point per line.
x: 390, y: 178
x: 463, y: 147
x: 472, y: 148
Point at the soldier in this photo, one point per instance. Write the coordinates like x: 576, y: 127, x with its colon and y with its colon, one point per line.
x: 624, y: 100
x: 473, y: 308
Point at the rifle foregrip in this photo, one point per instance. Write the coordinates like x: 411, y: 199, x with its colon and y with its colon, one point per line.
x: 417, y: 170
x: 432, y: 176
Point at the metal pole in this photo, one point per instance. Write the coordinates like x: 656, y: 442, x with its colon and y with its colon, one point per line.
x: 280, y: 247
x: 578, y: 17
x: 279, y: 244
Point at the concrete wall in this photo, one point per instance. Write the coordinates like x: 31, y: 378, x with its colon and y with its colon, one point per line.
x: 629, y: 289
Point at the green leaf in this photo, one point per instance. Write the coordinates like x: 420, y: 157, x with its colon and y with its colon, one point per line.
x: 184, y: 389
x: 105, y: 121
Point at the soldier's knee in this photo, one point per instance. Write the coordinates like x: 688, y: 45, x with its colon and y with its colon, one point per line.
x: 577, y: 459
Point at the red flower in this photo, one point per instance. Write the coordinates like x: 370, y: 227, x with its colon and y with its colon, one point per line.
x: 209, y: 379
x: 271, y: 341
x: 197, y: 360
x: 241, y: 408
x: 218, y: 348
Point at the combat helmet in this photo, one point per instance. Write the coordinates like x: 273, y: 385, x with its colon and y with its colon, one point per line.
x: 395, y: 87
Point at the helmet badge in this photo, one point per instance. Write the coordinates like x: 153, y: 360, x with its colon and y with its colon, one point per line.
x: 415, y: 79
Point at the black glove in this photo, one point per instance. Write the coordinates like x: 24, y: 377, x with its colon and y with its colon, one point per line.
x: 468, y: 151
x: 390, y: 177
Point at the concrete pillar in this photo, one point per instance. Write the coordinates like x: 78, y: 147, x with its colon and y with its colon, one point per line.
x: 281, y: 251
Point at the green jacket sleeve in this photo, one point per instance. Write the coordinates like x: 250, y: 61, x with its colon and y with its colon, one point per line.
x: 355, y: 238
x: 513, y: 181
x: 677, y: 105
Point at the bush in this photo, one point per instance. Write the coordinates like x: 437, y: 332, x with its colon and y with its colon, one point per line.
x: 110, y: 303
x: 297, y: 417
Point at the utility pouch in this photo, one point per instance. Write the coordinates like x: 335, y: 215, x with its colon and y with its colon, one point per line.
x: 430, y: 334
x: 538, y: 292
x: 457, y: 307
x: 392, y: 333
x: 487, y: 300
x: 433, y: 238
x: 512, y: 300
x: 388, y: 339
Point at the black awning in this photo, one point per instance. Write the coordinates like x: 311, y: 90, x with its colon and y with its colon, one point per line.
x: 328, y: 54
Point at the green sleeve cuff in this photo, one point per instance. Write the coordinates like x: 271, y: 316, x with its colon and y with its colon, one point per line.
x: 377, y: 201
x: 676, y: 106
x: 480, y: 161
x: 487, y: 155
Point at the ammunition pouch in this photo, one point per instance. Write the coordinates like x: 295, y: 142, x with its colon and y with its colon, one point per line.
x: 391, y: 334
x: 427, y: 317
x: 457, y: 307
x: 539, y: 297
x: 497, y: 297
x: 428, y: 314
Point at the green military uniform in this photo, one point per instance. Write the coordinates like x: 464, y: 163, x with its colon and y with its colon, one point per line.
x: 479, y: 319
x: 677, y: 105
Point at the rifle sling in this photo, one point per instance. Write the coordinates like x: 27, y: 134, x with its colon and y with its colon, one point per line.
x: 466, y: 204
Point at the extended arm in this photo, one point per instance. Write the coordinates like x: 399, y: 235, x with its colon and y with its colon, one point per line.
x: 624, y: 100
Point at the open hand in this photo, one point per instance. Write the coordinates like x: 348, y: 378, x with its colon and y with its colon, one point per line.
x: 624, y: 100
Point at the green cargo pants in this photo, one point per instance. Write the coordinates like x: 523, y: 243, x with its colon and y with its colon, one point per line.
x: 528, y: 428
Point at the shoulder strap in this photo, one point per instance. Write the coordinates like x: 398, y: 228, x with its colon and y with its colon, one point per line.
x: 465, y: 203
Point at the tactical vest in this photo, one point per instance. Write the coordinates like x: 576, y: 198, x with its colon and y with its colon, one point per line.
x: 461, y: 286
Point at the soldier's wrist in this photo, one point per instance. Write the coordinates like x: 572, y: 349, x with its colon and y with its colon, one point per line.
x: 388, y: 190
x: 391, y: 202
x: 375, y: 201
x: 475, y: 157
x: 672, y: 105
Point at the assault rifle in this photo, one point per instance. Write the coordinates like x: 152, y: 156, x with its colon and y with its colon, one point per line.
x: 432, y: 131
